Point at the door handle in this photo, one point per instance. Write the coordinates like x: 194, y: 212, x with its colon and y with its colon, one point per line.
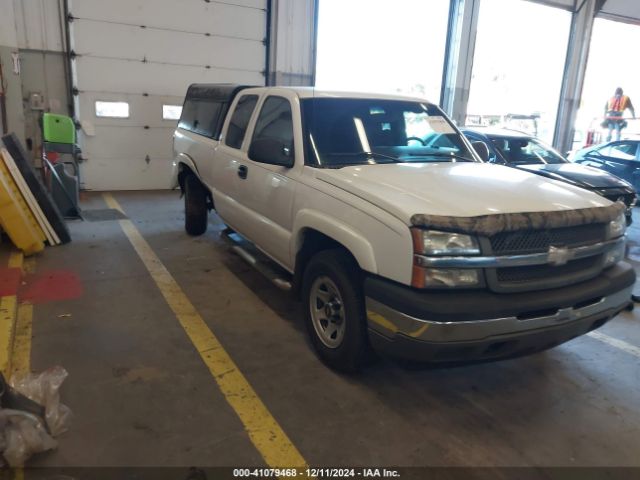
x: 243, y: 171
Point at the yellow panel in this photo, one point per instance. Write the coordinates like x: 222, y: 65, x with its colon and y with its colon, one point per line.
x: 16, y: 217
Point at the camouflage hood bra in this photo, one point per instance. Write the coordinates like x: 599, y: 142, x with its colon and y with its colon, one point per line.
x: 489, y: 225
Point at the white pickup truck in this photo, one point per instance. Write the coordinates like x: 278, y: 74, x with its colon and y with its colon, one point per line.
x: 382, y: 217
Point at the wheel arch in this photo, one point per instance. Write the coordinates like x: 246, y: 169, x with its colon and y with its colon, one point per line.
x: 184, y: 165
x: 316, y: 232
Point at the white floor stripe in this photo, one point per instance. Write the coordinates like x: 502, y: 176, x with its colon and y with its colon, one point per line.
x: 614, y: 342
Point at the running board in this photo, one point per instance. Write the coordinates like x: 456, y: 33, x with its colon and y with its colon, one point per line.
x: 258, y: 260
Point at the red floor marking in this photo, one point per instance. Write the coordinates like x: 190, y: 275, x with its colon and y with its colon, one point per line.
x: 51, y: 286
x: 9, y: 281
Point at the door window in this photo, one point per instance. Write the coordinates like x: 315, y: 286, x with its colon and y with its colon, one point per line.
x: 275, y: 122
x: 240, y: 120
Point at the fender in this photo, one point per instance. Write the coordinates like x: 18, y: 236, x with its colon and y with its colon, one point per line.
x: 182, y: 159
x: 342, y: 233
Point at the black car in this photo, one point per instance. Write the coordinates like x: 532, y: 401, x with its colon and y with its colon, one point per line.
x: 522, y: 151
x: 621, y: 158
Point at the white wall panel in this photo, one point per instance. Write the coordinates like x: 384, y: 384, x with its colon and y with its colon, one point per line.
x: 187, y: 15
x: 111, y: 43
x: 108, y: 173
x: 125, y: 145
x: 143, y: 110
x: 171, y: 47
x: 134, y: 77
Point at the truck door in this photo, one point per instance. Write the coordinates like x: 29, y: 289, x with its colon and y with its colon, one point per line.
x: 266, y: 191
x: 229, y: 157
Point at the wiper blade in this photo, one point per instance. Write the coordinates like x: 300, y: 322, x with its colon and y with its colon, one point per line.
x: 363, y: 153
x: 443, y: 155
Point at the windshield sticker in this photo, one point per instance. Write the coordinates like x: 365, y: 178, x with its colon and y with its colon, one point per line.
x: 440, y: 125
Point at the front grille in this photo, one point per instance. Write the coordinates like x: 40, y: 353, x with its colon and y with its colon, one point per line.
x: 535, y: 273
x: 539, y: 241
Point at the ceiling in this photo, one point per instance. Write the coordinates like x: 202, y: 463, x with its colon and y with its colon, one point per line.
x: 626, y: 10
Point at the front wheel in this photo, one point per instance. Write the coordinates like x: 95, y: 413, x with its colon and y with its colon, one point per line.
x: 334, y: 310
x: 195, y: 206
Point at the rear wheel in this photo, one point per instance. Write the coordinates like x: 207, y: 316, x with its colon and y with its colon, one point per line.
x: 195, y: 206
x: 334, y: 310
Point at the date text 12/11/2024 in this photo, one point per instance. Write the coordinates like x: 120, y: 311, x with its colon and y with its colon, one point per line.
x: 316, y: 473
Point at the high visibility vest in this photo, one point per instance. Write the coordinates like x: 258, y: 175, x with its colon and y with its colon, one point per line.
x: 618, y: 104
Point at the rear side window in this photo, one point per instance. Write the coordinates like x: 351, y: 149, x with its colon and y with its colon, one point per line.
x: 240, y: 120
x: 275, y: 121
x: 201, y: 116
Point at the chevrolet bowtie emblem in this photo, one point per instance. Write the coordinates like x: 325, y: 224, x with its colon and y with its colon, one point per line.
x: 559, y: 256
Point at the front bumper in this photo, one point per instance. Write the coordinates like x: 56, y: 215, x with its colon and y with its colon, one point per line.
x: 482, y: 325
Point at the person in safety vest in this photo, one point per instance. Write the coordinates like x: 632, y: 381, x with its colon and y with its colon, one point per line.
x: 614, y: 111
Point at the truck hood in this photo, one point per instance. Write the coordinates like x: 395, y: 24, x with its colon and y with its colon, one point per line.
x: 576, y: 174
x: 457, y: 189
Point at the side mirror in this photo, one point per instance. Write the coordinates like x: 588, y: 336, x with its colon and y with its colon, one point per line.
x: 271, y: 151
x: 482, y: 150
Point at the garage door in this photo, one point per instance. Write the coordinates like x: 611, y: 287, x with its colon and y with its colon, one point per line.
x: 134, y: 61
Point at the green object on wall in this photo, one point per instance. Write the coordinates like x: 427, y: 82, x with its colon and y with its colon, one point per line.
x: 58, y: 129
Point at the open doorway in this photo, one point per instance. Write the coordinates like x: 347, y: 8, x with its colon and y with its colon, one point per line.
x: 610, y: 66
x: 381, y: 46
x: 518, y: 66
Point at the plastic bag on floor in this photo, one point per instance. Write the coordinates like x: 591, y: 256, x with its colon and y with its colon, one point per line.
x: 22, y: 434
x: 44, y: 388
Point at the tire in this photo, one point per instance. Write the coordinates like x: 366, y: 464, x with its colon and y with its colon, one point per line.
x: 333, y: 284
x: 195, y: 206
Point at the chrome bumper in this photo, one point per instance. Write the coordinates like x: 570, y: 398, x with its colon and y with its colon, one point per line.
x: 390, y: 323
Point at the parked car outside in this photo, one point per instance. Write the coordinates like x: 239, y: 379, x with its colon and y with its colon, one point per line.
x: 520, y: 150
x: 621, y: 158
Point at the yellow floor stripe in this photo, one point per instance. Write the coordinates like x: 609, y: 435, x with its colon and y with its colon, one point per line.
x: 264, y: 431
x: 21, y: 355
x: 8, y: 311
x: 21, y: 351
x: 29, y: 265
x: 16, y: 260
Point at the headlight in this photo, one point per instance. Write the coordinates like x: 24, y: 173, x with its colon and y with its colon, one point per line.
x: 617, y: 227
x: 431, y: 242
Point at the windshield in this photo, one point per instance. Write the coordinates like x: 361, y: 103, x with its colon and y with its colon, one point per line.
x: 350, y: 131
x: 525, y: 151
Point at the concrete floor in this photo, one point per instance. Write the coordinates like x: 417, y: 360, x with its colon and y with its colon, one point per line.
x: 142, y: 396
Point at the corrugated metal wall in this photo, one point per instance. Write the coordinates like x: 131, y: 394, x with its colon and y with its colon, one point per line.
x: 292, y: 54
